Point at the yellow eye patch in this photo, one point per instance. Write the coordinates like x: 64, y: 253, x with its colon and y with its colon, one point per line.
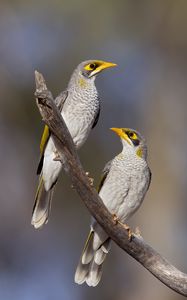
x: 132, y: 135
x: 90, y: 67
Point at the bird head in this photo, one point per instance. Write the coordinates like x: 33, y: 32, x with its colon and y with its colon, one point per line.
x: 91, y: 68
x: 86, y: 72
x: 133, y: 140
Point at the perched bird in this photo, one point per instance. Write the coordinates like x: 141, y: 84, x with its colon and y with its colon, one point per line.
x: 123, y: 186
x: 80, y: 107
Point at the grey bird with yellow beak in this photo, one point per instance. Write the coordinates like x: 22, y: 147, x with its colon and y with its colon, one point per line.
x: 123, y: 186
x: 80, y: 108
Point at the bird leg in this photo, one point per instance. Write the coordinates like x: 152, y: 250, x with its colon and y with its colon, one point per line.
x: 91, y: 180
x: 127, y: 228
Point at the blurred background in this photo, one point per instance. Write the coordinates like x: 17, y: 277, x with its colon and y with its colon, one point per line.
x: 147, y: 91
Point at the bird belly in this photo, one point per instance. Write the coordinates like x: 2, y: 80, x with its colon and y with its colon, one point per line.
x: 123, y: 196
x: 78, y: 127
x: 114, y: 201
x: 129, y: 206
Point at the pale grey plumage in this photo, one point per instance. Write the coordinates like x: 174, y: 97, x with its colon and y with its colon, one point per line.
x: 126, y: 180
x: 80, y: 107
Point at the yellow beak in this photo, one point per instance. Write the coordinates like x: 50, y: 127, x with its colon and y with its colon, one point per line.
x: 102, y: 66
x: 121, y: 133
x: 106, y: 65
x: 118, y: 131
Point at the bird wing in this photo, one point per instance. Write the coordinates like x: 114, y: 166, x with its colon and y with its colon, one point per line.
x: 104, y: 175
x: 96, y: 118
x: 59, y: 101
x: 150, y: 177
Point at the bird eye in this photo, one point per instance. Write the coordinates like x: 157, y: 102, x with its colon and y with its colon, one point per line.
x: 92, y: 66
x: 132, y: 135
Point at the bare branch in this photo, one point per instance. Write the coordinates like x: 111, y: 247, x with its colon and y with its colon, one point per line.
x: 137, y: 247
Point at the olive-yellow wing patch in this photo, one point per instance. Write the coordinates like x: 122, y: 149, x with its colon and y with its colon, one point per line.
x: 59, y: 101
x: 45, y: 137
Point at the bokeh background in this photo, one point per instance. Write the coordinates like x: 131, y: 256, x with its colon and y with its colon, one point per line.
x: 148, y: 41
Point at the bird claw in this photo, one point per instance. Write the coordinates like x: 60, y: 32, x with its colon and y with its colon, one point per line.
x: 125, y: 226
x: 137, y: 231
x: 115, y: 219
x: 91, y: 180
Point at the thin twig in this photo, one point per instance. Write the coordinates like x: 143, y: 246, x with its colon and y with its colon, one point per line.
x: 137, y: 247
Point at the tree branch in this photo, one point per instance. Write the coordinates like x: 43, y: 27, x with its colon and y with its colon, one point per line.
x: 137, y: 247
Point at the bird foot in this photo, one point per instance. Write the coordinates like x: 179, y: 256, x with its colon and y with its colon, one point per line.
x: 91, y: 180
x: 115, y: 219
x: 57, y: 156
x: 125, y: 226
x: 137, y: 231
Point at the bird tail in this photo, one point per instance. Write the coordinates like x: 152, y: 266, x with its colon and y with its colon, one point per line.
x: 42, y: 205
x: 90, y: 265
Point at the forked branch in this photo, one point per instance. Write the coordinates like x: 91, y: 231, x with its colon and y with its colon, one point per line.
x: 137, y: 247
